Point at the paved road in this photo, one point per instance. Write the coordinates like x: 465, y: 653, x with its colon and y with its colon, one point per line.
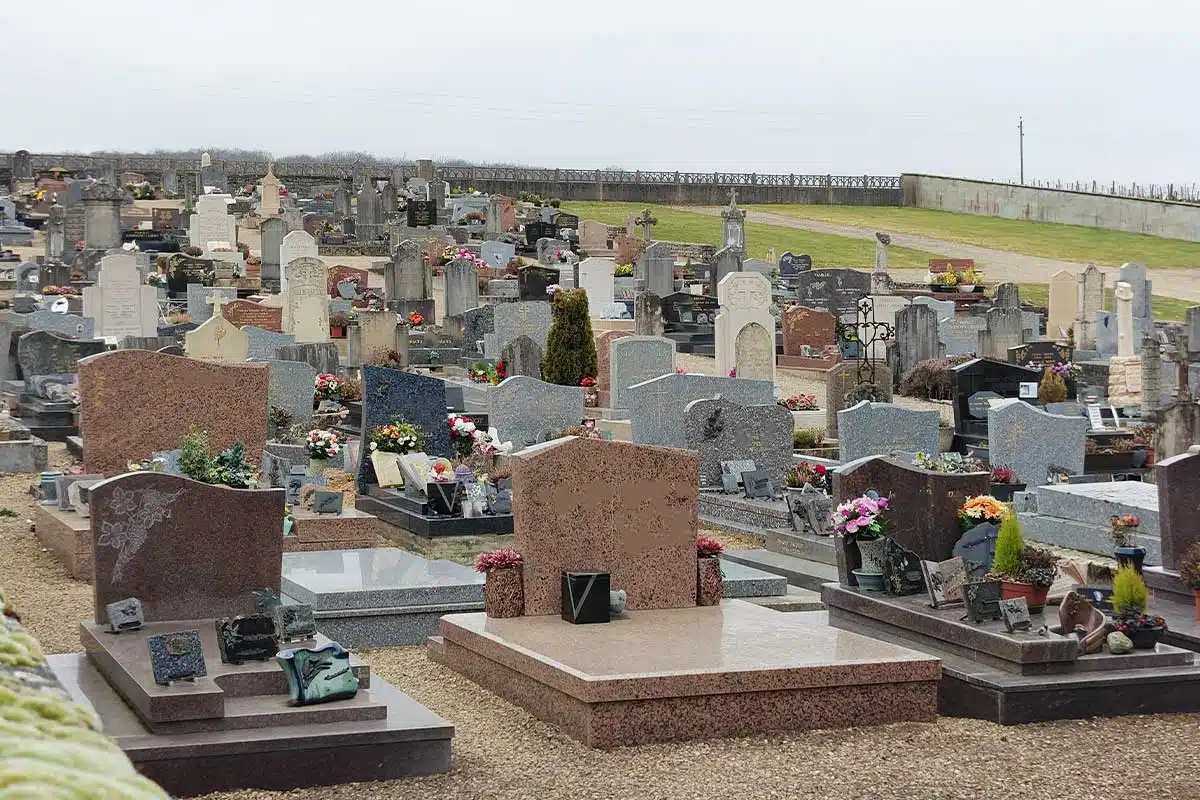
x: 1000, y: 265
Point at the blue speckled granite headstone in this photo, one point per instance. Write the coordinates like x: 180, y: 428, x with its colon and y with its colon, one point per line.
x: 419, y: 399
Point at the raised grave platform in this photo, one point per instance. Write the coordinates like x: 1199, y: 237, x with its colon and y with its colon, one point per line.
x: 350, y: 529
x: 689, y: 673
x: 20, y: 450
x: 1077, y: 516
x: 386, y: 597
x: 1010, y: 679
x: 1174, y: 601
x: 393, y: 507
x: 234, y: 728
x: 68, y: 536
x: 737, y: 512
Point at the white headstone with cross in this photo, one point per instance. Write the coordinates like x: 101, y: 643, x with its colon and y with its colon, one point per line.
x: 217, y: 339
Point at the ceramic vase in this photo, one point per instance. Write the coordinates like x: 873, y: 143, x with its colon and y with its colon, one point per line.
x: 504, y: 593
x: 316, y: 466
x: 709, y: 586
x: 871, y: 553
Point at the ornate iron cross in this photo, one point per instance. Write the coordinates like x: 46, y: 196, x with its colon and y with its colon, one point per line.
x: 867, y: 332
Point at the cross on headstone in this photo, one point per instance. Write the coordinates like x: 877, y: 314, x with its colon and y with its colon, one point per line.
x: 647, y: 222
x: 217, y: 301
x: 867, y: 331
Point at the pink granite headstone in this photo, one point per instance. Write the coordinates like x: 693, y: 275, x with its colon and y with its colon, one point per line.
x: 604, y: 357
x: 593, y: 505
x: 135, y: 402
x: 187, y: 550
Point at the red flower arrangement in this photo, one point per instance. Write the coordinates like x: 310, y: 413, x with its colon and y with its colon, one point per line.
x: 505, y: 558
x: 65, y: 291
x: 708, y: 547
x: 588, y: 382
x: 501, y: 370
x: 416, y: 319
x: 733, y: 372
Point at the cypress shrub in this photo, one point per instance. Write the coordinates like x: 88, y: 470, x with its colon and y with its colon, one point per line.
x: 570, y: 349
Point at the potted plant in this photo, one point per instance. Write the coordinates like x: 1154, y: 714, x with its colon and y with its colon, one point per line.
x: 945, y: 282
x: 710, y: 587
x: 805, y: 411
x: 1127, y: 554
x: 945, y: 435
x: 591, y: 396
x: 1039, y: 568
x: 1130, y: 599
x: 337, y: 325
x: 861, y: 521
x: 321, y: 446
x: 968, y: 280
x: 1052, y: 388
x: 397, y: 436
x: 1005, y: 483
x: 799, y: 477
x: 416, y: 319
x: 503, y: 587
x: 1006, y: 565
x: 1189, y: 572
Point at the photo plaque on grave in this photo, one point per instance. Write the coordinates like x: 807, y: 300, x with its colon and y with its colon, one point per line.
x: 944, y: 580
x: 248, y: 638
x: 295, y: 623
x: 124, y: 615
x: 1015, y: 613
x: 983, y: 600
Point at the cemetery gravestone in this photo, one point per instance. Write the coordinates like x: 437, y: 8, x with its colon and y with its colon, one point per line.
x: 720, y: 430
x: 119, y: 303
x: 744, y: 328
x: 528, y: 411
x: 212, y: 222
x: 656, y: 268
x: 836, y: 291
x: 596, y: 278
x: 477, y: 322
x: 636, y: 359
x: 263, y: 344
x: 529, y: 318
x: 419, y: 399
x: 1178, y: 480
x: 877, y: 429
x: 656, y: 407
x: 70, y: 325
x: 806, y: 327
x: 497, y: 254
x: 604, y: 359
x: 291, y: 387
x: 522, y: 356
x: 842, y: 379
x: 306, y: 308
x: 624, y: 509
x: 167, y: 540
x: 198, y: 295
x: 462, y: 287
x: 1032, y: 442
x: 271, y: 232
x: 296, y: 244
x: 119, y: 426
x: 916, y: 337
x: 247, y: 313
x: 322, y: 357
x: 532, y: 282
x: 42, y: 353
x: 217, y: 340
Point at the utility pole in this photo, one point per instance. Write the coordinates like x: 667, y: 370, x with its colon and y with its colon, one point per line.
x: 1021, y: 138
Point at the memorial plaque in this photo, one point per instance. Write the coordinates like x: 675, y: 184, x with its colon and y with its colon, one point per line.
x: 757, y: 484
x: 1099, y: 596
x: 187, y: 270
x: 421, y: 213
x: 565, y: 221
x: 1039, y: 355
x: 979, y: 403
x: 295, y: 623
x: 689, y: 309
x: 327, y: 502
x: 124, y: 615
x: 445, y: 498
x: 983, y: 600
x: 318, y: 675
x: 245, y: 312
x: 248, y: 638
x: 1095, y: 417
x: 977, y: 548
x: 731, y: 474
x: 944, y: 580
x: 176, y: 657
x: 1027, y: 390
x: 539, y: 230
x: 1015, y: 614
x: 295, y: 482
x: 902, y: 573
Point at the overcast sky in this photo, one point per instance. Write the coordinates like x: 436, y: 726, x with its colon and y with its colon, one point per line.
x: 843, y: 87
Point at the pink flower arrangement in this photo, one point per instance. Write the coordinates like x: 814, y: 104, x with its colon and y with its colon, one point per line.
x: 733, y: 372
x: 498, y: 559
x: 708, y: 547
x: 466, y: 255
x: 861, y: 518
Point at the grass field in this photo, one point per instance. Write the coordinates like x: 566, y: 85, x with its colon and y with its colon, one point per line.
x: 686, y: 226
x: 1045, y: 239
x: 1166, y: 309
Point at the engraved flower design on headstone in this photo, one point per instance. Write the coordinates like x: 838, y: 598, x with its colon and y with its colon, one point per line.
x: 138, y: 510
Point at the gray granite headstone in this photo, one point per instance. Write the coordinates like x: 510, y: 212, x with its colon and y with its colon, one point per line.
x: 877, y: 429
x: 497, y: 254
x: 263, y: 344
x: 476, y: 323
x: 47, y: 353
x: 198, y: 309
x: 720, y: 430
x: 656, y: 407
x: 522, y: 356
x: 419, y: 399
x: 525, y: 318
x: 71, y: 325
x: 1031, y: 441
x: 528, y: 411
x: 322, y: 356
x: 291, y: 386
x: 155, y: 343
x: 636, y: 359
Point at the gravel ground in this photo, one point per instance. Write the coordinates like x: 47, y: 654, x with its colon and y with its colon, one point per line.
x: 502, y: 752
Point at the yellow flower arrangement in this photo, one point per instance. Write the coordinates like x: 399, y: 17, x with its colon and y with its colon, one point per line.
x: 980, y: 509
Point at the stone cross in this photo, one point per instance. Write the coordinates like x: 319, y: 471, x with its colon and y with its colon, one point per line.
x: 647, y: 222
x: 217, y: 301
x: 1124, y: 302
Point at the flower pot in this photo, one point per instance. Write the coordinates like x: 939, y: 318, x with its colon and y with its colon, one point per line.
x: 1139, y: 458
x: 316, y: 466
x: 504, y: 593
x: 871, y: 553
x: 591, y: 397
x: 945, y: 439
x: 1145, y: 638
x: 966, y: 288
x: 337, y: 332
x: 1107, y: 462
x: 868, y: 581
x: 1011, y: 590
x: 1004, y: 491
x: 1130, y: 557
x: 710, y: 587
x: 445, y: 497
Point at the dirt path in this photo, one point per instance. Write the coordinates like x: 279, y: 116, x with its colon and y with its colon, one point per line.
x: 1000, y: 265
